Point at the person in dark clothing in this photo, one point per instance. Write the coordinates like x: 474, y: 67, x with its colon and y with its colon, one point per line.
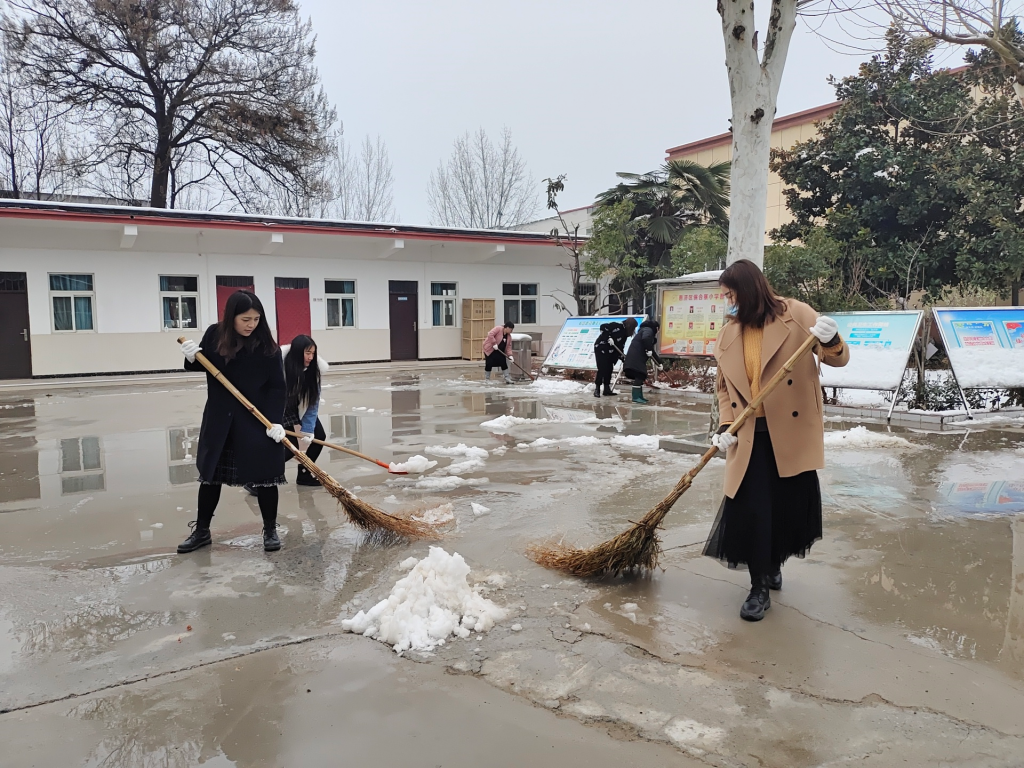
x: 644, y: 346
x: 608, y: 351
x: 234, y: 448
x: 302, y: 370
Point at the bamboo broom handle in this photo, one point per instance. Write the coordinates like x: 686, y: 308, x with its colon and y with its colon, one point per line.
x: 241, y: 398
x: 746, y: 413
x: 341, y: 448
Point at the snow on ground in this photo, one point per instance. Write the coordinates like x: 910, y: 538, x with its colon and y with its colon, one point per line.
x: 988, y: 366
x: 547, y: 442
x: 862, y: 437
x: 505, y: 423
x: 544, y: 386
x: 470, y: 452
x: 444, y: 513
x: 446, y: 483
x: 479, y: 509
x: 427, y: 606
x: 462, y: 467
x: 636, y: 442
x: 416, y: 465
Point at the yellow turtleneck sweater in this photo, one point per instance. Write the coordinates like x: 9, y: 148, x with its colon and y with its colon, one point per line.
x: 753, y: 339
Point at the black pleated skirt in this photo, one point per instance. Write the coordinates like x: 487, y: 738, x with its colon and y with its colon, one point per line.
x: 771, y: 518
x: 226, y: 472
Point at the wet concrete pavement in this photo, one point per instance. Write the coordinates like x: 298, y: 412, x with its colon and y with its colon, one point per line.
x: 899, y: 640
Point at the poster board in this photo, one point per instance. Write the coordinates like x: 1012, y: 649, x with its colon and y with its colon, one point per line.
x: 1000, y: 497
x: 574, y: 345
x: 985, y: 345
x: 691, y: 314
x: 880, y: 344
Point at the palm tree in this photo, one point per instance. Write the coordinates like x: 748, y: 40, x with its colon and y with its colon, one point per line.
x: 679, y: 195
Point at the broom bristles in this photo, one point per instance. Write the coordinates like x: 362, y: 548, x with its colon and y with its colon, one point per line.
x: 367, y: 516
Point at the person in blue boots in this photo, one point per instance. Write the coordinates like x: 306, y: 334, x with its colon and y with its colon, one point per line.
x: 643, y: 348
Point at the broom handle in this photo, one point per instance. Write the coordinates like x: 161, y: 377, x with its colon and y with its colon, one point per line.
x: 746, y: 413
x: 244, y: 401
x: 343, y: 449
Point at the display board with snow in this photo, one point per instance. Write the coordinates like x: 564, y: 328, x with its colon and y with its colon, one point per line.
x: 574, y: 345
x: 985, y: 344
x: 427, y: 606
x: 880, y: 344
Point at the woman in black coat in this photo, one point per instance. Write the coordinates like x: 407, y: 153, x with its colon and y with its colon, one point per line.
x: 608, y: 351
x: 645, y: 345
x: 233, y: 445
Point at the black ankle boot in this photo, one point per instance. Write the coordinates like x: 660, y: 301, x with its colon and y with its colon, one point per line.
x: 305, y: 477
x: 271, y: 541
x: 597, y: 391
x: 757, y: 601
x: 200, y: 537
x: 608, y: 392
x: 775, y: 579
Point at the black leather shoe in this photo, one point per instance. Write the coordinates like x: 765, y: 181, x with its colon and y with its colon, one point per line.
x: 609, y: 392
x: 757, y: 603
x: 200, y: 537
x: 250, y: 489
x: 775, y: 580
x: 597, y: 391
x: 271, y: 541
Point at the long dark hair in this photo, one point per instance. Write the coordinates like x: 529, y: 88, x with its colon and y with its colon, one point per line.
x: 230, y: 342
x: 303, y: 385
x: 756, y: 302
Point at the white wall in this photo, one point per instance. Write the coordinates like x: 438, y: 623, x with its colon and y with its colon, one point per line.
x: 127, y: 313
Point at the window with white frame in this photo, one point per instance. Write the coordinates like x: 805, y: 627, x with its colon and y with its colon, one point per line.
x: 345, y: 430
x: 520, y: 302
x: 179, y: 301
x: 340, y: 298
x: 588, y: 298
x: 442, y: 301
x: 71, y: 302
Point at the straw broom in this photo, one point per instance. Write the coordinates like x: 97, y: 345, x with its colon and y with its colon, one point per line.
x: 640, y: 547
x: 364, y: 515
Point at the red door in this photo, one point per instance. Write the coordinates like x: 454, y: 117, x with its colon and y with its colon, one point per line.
x: 291, y: 295
x: 228, y: 284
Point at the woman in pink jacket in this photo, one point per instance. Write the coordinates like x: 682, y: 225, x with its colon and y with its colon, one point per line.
x: 498, y: 350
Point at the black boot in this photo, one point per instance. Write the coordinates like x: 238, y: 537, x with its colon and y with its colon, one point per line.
x: 597, y: 390
x: 757, y: 601
x: 271, y: 541
x: 200, y: 537
x: 305, y: 477
x: 775, y: 579
x: 609, y: 392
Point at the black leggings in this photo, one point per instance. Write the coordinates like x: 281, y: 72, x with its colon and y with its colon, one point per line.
x: 209, y: 495
x: 605, y: 366
x: 315, y: 449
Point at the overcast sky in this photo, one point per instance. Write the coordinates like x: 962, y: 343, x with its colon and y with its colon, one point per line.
x: 587, y: 88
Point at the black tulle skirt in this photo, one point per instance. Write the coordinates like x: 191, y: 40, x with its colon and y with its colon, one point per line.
x: 771, y: 518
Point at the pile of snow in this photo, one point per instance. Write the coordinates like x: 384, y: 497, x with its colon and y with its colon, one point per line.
x: 470, y: 452
x: 462, y: 467
x: 436, y: 516
x: 446, y: 483
x: 869, y: 368
x: 416, y: 465
x: 544, y: 386
x: 862, y: 437
x: 479, y: 509
x: 505, y: 423
x: 988, y: 366
x: 547, y: 442
x: 637, y: 442
x: 427, y: 606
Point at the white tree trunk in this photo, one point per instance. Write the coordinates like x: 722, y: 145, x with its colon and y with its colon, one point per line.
x: 754, y: 79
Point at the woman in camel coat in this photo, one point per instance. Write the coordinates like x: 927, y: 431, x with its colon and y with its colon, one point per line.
x: 772, y: 505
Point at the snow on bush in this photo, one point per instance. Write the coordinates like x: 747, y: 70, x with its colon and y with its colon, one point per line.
x: 505, y: 423
x: 416, y: 465
x: 469, y: 451
x: 637, y: 442
x: 862, y: 437
x: 427, y: 606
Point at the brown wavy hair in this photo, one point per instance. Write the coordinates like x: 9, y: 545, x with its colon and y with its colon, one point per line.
x: 756, y: 301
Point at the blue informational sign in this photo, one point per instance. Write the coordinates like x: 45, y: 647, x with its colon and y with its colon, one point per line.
x: 985, y: 344
x: 1004, y: 497
x: 574, y: 346
x: 880, y: 344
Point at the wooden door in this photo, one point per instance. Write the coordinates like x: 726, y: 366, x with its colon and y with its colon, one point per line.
x: 15, y: 334
x: 404, y: 317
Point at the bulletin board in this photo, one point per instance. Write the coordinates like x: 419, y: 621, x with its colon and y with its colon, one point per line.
x: 880, y: 344
x: 985, y: 345
x: 691, y: 318
x: 574, y: 345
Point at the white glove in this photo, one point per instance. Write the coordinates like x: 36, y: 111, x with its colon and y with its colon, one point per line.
x: 305, y: 441
x: 189, y: 349
x: 650, y: 354
x: 825, y: 329
x: 660, y: 367
x: 724, y: 441
x: 276, y: 433
x: 510, y: 357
